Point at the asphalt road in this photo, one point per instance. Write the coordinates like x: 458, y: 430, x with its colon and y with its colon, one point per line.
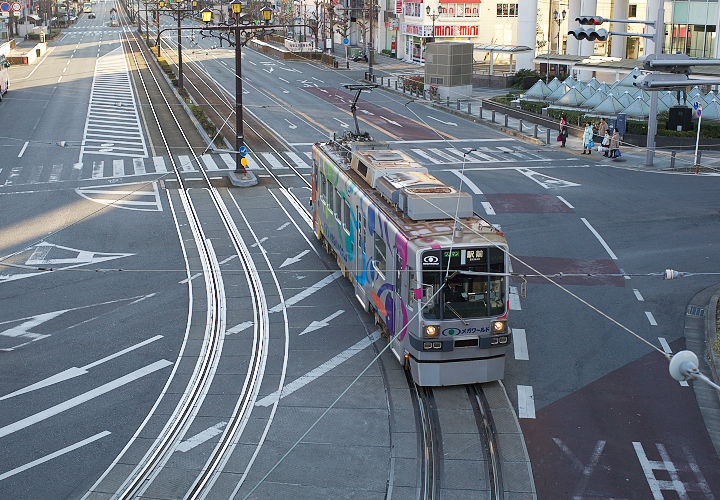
x: 601, y: 416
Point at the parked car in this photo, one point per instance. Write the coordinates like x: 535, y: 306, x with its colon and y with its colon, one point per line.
x: 91, y: 15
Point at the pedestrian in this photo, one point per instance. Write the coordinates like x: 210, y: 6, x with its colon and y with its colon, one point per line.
x: 588, y: 139
x: 615, y: 144
x: 602, y: 129
x: 563, y: 131
x: 606, y: 144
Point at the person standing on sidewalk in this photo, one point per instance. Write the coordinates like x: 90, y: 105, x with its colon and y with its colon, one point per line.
x: 587, y: 139
x: 606, y: 144
x: 563, y: 131
x: 615, y: 144
x: 602, y: 130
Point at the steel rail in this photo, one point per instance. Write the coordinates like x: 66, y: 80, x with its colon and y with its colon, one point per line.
x: 174, y: 431
x: 488, y: 433
x: 428, y: 446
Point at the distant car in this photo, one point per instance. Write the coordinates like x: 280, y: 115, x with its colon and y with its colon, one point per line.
x: 91, y: 15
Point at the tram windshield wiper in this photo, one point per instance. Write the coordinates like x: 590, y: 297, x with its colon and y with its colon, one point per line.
x: 452, y: 309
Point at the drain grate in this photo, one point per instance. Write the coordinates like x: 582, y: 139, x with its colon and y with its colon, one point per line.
x: 696, y: 311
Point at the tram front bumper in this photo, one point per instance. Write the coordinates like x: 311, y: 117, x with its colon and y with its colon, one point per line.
x: 473, y: 371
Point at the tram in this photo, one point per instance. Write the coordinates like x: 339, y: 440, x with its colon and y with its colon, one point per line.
x: 431, y: 271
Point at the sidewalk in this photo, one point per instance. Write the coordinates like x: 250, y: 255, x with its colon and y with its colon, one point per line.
x: 528, y: 131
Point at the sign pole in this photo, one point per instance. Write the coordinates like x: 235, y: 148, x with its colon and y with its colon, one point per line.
x: 697, y: 140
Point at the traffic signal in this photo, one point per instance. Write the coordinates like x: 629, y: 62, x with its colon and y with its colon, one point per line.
x: 589, y: 34
x: 590, y: 20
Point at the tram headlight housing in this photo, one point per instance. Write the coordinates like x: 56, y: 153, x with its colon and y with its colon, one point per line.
x: 499, y: 327
x: 432, y: 331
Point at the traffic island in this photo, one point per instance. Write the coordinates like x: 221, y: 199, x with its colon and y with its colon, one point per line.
x: 239, y: 179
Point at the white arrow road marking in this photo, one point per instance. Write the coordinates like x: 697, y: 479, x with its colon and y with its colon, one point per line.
x: 390, y: 121
x: 269, y: 69
x: 293, y: 260
x: 545, y: 180
x: 54, y: 454
x: 316, y: 325
x: 321, y: 370
x: 291, y: 124
x: 76, y: 372
x: 292, y: 70
x: 131, y: 199
x: 342, y: 123
x: 439, y: 120
x: 239, y: 328
x: 83, y: 398
x: 366, y: 112
x: 201, y: 437
x: 285, y: 91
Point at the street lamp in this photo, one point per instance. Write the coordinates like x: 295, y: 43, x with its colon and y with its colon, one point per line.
x: 559, y: 21
x: 241, y: 35
x: 179, y: 12
x: 433, y: 16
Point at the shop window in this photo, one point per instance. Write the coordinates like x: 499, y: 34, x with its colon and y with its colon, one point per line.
x: 507, y: 10
x: 632, y: 10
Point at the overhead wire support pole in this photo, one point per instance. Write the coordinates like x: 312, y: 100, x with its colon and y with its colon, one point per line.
x: 654, y: 97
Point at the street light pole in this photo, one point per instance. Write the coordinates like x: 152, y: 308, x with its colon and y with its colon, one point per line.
x: 652, y: 118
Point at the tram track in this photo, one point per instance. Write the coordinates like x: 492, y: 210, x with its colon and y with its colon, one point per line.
x: 429, y: 434
x: 150, y: 466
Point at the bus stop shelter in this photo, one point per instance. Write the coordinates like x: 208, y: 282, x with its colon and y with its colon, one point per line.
x: 494, y: 49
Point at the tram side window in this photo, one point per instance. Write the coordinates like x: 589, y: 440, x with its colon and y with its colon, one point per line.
x: 380, y: 255
x: 321, y: 186
x: 330, y: 192
x: 337, y: 204
x: 346, y: 216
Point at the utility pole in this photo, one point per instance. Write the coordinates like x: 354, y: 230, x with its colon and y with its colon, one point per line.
x: 652, y: 118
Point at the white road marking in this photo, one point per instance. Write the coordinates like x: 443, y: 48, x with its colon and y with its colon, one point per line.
x: 586, y: 471
x: 666, y: 348
x: 651, y: 318
x: 186, y: 163
x: 439, y: 120
x: 118, y: 168
x: 565, y: 201
x: 316, y: 325
x: 201, y: 437
x: 261, y: 240
x: 520, y: 343
x: 22, y: 151
x: 293, y: 260
x: 53, y: 455
x: 638, y: 295
x: 674, y: 483
x: 299, y: 163
x: 159, y: 163
x: 321, y: 370
x: 188, y: 280
x: 209, y: 162
x: 526, y: 401
x: 467, y: 182
x: 600, y: 239
x: 82, y: 398
x: 283, y: 226
x: 239, y: 328
x: 545, y: 181
x: 514, y: 298
x: 307, y: 292
x: 110, y: 195
x: 228, y: 259
x: 75, y: 371
x: 273, y: 161
x: 488, y: 207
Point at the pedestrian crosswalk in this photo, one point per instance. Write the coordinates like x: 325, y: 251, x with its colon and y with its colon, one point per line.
x: 478, y: 154
x: 112, y: 126
x: 118, y: 168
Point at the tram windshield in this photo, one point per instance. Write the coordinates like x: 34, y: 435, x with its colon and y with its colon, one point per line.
x: 467, y: 292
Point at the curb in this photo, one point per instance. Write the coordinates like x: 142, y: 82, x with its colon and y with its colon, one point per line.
x: 699, y: 334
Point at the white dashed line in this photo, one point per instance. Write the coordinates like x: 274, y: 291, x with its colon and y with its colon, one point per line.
x: 526, y: 401
x: 638, y: 295
x: 651, y: 318
x: 564, y: 201
x: 666, y: 348
x: 520, y: 344
x: 600, y: 239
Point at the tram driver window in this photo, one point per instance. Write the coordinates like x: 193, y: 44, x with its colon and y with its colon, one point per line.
x: 380, y: 253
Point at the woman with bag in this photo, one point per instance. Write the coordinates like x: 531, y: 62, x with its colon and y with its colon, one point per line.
x: 615, y: 144
x: 602, y: 129
x: 562, y: 137
x: 605, y: 144
x: 588, y: 143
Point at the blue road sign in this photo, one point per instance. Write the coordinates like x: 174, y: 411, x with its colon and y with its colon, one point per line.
x: 346, y: 41
x: 243, y: 150
x: 696, y: 105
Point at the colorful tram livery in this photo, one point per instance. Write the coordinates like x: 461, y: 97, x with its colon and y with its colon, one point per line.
x: 438, y: 288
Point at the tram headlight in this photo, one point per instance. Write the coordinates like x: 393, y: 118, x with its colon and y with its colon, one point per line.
x: 432, y: 330
x: 499, y: 327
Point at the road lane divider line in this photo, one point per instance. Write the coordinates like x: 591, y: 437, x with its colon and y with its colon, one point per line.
x: 666, y: 348
x: 519, y: 339
x: 526, y: 401
x: 565, y: 201
x: 638, y: 295
x: 83, y: 398
x: 651, y: 318
x: 22, y: 151
x: 514, y: 298
x: 599, y: 238
x: 312, y: 375
x: 54, y: 454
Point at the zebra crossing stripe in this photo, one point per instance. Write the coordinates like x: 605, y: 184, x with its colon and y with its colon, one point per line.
x: 139, y: 166
x: 273, y: 161
x: 55, y: 173
x: 159, y: 163
x: 185, y: 163
x: 422, y: 153
x: 209, y: 162
x: 124, y: 196
x: 229, y: 161
x: 118, y: 168
x: 98, y: 167
x: 442, y: 155
x: 299, y: 162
